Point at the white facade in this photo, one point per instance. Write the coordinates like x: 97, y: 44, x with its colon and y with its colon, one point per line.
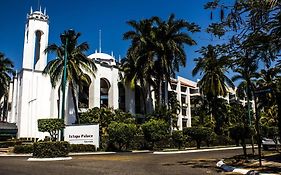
x: 31, y: 95
x: 184, y: 89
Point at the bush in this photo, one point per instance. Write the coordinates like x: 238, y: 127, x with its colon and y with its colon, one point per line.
x: 222, y: 140
x: 82, y: 148
x: 23, y: 149
x: 51, y: 149
x: 155, y: 130
x: 121, y: 134
x: 198, y: 134
x: 178, y: 138
x: 52, y: 126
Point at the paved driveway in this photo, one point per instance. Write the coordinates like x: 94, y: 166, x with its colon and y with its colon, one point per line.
x: 120, y: 164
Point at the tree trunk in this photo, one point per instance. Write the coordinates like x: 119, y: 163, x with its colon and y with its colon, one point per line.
x: 159, y: 94
x: 144, y: 94
x: 249, y: 118
x: 278, y: 102
x: 244, y: 148
x: 257, y: 126
x: 75, y: 103
x: 198, y: 143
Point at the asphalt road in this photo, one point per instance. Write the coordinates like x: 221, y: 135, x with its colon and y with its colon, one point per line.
x: 120, y: 164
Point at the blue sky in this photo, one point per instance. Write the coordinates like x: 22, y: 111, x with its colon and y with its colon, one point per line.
x: 90, y: 16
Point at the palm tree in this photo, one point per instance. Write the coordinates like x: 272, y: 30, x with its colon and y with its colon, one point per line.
x: 247, y: 73
x: 6, y: 69
x: 138, y: 64
x: 171, y: 37
x: 214, y: 82
x: 159, y: 48
x: 77, y: 64
x: 134, y: 73
x: 269, y: 82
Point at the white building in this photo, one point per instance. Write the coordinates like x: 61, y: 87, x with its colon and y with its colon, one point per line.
x: 31, y: 96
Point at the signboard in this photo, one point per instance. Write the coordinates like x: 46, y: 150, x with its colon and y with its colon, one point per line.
x: 82, y: 134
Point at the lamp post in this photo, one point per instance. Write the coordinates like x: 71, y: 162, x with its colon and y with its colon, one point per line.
x: 63, y: 37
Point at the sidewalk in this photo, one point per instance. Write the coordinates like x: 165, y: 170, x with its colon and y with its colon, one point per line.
x: 271, y: 164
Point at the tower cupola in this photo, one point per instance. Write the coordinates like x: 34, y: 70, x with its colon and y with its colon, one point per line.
x: 36, y: 40
x: 38, y: 15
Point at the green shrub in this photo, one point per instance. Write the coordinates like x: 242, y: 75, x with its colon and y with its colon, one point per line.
x: 178, y: 138
x: 51, y: 149
x: 51, y: 125
x: 82, y: 148
x: 121, y: 134
x: 155, y: 130
x: 198, y: 134
x: 23, y: 149
x: 222, y: 140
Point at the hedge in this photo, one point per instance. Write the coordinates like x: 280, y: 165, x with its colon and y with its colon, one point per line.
x: 82, y: 148
x: 51, y: 149
x: 23, y: 149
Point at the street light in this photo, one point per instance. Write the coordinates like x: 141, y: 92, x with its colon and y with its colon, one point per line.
x: 63, y: 37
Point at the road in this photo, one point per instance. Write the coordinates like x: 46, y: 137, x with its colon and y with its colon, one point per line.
x: 120, y: 164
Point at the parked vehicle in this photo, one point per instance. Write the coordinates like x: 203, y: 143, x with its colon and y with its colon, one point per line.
x: 268, y: 143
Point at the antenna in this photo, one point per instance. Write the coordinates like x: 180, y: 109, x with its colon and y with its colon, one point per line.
x: 99, y: 41
x: 38, y: 4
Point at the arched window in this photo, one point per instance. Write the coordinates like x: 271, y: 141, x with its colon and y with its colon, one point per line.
x: 38, y: 35
x: 104, y: 88
x: 122, y: 104
x: 83, y: 98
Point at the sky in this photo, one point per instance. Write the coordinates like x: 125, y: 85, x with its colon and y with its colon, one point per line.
x: 90, y: 16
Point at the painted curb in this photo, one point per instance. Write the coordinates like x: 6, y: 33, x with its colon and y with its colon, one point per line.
x: 91, y: 153
x: 48, y: 159
x: 142, y: 151
x: 15, y: 155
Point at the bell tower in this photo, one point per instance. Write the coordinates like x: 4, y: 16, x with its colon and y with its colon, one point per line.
x: 35, y: 40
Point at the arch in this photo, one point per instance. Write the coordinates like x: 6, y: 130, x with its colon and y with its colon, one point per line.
x: 83, y: 95
x: 37, y: 46
x: 122, y: 97
x: 104, y: 89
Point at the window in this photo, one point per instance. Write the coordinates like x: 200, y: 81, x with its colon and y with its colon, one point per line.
x: 194, y: 91
x: 173, y: 86
x: 183, y: 112
x: 183, y: 88
x: 104, y: 88
x: 122, y: 97
x: 38, y: 35
x: 183, y: 99
x: 83, y: 95
x: 184, y: 122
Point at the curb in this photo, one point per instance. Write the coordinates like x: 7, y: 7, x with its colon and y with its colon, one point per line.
x: 15, y: 155
x: 48, y: 159
x: 71, y: 154
x: 142, y: 151
x: 91, y: 153
x: 198, y: 150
